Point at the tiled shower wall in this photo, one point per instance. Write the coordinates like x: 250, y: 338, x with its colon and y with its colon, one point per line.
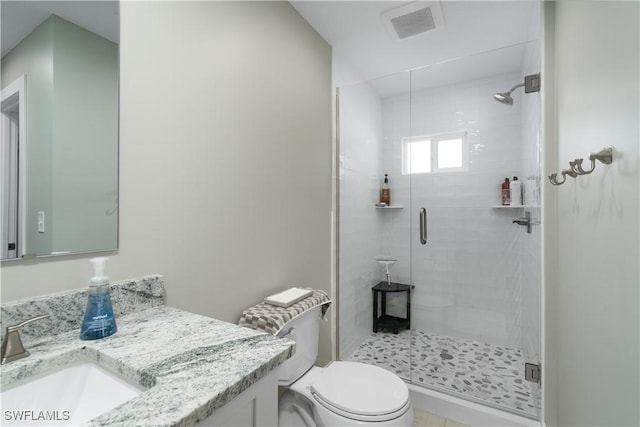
x: 359, y: 224
x: 469, y: 277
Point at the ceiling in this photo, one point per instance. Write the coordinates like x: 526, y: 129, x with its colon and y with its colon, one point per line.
x: 21, y: 17
x: 473, y: 67
x: 363, y: 49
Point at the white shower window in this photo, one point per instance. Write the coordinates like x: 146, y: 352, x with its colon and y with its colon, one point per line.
x: 416, y: 156
x: 435, y: 153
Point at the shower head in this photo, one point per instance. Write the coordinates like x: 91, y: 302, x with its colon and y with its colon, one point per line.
x: 531, y: 84
x: 505, y: 97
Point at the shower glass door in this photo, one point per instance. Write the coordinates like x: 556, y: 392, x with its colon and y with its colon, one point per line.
x: 446, y: 146
x: 476, y: 274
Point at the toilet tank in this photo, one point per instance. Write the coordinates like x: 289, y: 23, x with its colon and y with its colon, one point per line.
x: 305, y: 331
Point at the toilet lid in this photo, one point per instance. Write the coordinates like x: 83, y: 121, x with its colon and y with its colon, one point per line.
x: 360, y: 389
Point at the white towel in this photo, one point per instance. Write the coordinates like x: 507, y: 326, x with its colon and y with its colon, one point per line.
x: 288, y: 297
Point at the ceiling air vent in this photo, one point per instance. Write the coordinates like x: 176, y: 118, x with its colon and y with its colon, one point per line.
x: 413, y: 19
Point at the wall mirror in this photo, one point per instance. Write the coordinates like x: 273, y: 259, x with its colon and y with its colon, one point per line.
x: 59, y: 127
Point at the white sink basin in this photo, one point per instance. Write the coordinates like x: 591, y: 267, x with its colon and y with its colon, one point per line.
x: 71, y: 395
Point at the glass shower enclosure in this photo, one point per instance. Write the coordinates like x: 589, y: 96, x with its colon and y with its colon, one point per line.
x: 473, y: 267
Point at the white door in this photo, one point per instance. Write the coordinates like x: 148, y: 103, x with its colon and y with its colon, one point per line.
x: 12, y: 173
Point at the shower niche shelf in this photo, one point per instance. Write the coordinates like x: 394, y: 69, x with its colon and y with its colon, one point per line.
x: 515, y: 207
x: 389, y: 207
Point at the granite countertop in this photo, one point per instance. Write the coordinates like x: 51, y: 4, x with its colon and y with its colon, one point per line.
x: 190, y: 365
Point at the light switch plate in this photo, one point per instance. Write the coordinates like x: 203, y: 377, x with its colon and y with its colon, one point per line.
x: 40, y: 221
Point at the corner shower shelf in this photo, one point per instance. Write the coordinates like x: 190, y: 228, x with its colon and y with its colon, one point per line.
x: 389, y: 207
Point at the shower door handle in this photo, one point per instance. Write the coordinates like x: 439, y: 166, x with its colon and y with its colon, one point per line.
x: 423, y: 226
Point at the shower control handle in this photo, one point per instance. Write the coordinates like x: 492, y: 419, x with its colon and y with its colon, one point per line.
x: 423, y: 226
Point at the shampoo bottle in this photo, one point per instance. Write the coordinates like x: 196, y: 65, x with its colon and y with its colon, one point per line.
x: 99, y: 321
x: 505, y: 192
x: 515, y: 188
x: 385, y: 191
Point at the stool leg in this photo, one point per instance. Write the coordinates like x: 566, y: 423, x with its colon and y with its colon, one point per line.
x: 409, y: 309
x: 375, y: 311
x: 384, y: 304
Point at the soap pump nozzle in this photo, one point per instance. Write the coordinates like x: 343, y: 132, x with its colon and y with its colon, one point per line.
x: 99, y: 278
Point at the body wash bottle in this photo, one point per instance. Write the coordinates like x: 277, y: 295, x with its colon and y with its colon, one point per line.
x: 385, y: 191
x: 99, y: 321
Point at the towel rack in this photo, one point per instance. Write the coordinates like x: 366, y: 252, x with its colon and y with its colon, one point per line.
x: 604, y: 156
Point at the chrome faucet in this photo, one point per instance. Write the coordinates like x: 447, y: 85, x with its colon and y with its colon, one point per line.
x: 526, y: 221
x: 12, y: 348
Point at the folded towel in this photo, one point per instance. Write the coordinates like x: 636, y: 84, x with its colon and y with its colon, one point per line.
x: 271, y: 318
x: 288, y: 297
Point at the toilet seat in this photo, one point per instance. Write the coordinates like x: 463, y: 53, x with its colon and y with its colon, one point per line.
x: 361, y: 392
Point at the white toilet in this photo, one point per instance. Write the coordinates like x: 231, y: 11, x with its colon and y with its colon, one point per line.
x: 340, y: 394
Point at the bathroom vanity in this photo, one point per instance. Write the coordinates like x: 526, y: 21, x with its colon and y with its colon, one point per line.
x: 192, y: 370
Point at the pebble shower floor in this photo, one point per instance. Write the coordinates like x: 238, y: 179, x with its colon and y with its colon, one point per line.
x: 487, y: 373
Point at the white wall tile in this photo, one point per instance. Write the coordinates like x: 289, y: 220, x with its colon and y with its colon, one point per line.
x: 470, y: 277
x: 360, y: 223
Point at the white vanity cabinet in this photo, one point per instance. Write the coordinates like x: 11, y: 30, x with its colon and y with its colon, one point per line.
x: 256, y: 406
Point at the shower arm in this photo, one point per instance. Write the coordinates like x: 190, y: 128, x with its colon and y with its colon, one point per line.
x: 531, y: 84
x: 516, y: 87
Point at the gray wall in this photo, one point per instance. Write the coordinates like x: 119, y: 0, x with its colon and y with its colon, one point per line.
x: 592, y: 255
x: 225, y: 159
x: 85, y: 132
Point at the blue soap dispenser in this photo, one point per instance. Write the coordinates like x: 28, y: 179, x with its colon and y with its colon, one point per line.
x: 99, y: 321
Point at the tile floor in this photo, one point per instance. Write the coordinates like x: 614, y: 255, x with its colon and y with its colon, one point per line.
x: 427, y: 419
x: 485, y: 373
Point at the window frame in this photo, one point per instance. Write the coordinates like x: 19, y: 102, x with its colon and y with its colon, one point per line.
x: 434, y: 140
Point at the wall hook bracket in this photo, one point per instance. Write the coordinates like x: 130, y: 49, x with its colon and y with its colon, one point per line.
x: 604, y: 156
x: 576, y: 166
x: 553, y: 178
